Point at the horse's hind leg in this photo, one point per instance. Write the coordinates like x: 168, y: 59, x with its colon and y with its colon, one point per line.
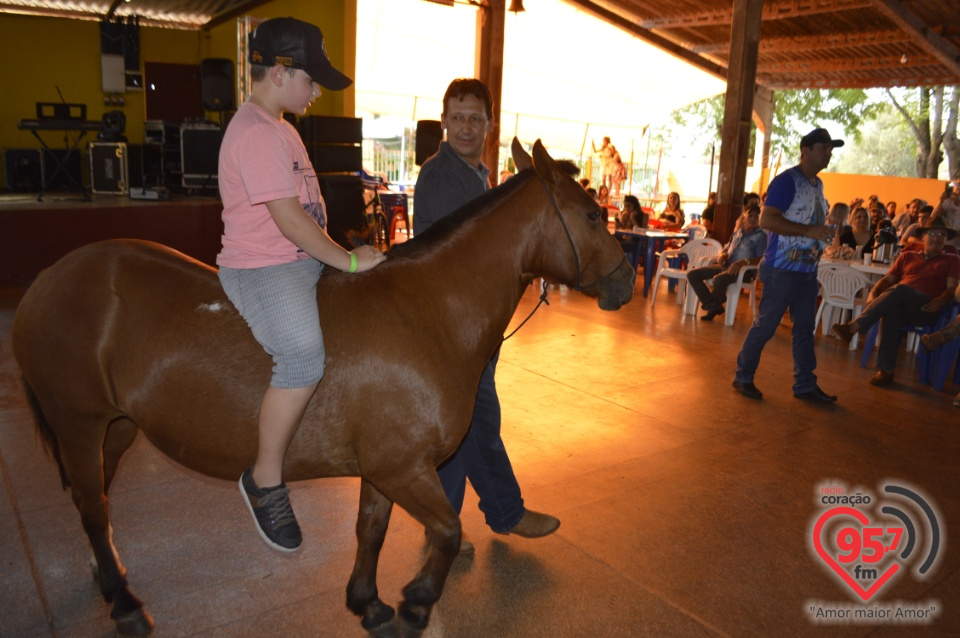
x: 363, y: 598
x: 83, y: 461
x: 120, y: 436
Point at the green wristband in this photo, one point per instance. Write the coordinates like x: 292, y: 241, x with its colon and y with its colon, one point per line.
x: 353, y: 263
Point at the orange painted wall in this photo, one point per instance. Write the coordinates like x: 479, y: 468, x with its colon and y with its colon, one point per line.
x: 842, y: 187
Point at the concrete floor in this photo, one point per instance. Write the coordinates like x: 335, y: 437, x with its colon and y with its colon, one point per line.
x: 687, y: 510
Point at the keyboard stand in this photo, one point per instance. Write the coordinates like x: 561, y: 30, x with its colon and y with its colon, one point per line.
x: 61, y: 163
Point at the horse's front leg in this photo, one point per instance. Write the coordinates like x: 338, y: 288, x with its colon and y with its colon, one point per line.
x: 362, y: 596
x: 423, y: 497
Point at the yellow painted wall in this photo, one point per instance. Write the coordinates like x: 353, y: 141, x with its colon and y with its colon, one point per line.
x: 44, y: 53
x: 841, y: 187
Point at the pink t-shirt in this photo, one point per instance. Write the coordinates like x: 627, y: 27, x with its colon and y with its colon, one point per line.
x: 262, y: 159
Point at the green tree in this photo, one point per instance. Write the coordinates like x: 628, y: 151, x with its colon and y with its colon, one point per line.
x: 881, y: 149
x: 796, y: 112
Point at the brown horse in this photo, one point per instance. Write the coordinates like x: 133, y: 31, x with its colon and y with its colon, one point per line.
x: 126, y: 336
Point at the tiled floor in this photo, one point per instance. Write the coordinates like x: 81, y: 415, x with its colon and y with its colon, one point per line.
x: 687, y: 510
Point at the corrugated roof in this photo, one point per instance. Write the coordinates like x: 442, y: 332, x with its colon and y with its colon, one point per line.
x: 804, y: 43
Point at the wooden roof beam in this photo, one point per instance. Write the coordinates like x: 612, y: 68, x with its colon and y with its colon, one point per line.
x: 806, y: 82
x: 772, y: 11
x: 669, y: 46
x: 813, y: 42
x: 923, y: 36
x: 842, y: 65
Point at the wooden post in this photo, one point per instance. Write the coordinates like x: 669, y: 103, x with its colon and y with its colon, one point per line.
x: 738, y: 113
x: 488, y: 68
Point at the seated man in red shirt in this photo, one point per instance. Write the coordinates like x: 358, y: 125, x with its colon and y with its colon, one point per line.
x: 918, y: 285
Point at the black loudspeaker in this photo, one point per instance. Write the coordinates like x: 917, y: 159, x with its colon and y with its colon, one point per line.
x: 199, y: 155
x: 24, y: 169
x: 216, y: 82
x: 343, y: 195
x: 328, y: 129
x: 429, y: 136
x: 145, y: 165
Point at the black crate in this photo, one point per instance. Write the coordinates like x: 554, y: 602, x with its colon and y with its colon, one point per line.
x: 108, y: 168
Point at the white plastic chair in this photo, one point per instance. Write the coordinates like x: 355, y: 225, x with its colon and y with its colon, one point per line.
x: 733, y: 296
x: 697, y: 231
x: 841, y: 288
x: 698, y: 253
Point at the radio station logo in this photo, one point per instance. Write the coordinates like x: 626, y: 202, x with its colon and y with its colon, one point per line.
x: 869, y: 540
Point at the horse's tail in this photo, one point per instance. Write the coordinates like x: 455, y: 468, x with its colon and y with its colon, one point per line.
x: 46, y: 433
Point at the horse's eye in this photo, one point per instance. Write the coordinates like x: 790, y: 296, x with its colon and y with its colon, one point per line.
x: 594, y: 215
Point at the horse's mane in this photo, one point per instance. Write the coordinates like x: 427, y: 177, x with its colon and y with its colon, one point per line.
x: 444, y: 227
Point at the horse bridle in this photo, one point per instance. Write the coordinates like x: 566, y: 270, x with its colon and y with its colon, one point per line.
x: 580, y: 287
x: 553, y: 201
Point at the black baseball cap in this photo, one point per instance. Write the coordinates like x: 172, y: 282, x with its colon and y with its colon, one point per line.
x: 297, y: 45
x: 819, y: 136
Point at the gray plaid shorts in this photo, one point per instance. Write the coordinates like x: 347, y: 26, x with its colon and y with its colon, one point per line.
x: 279, y: 303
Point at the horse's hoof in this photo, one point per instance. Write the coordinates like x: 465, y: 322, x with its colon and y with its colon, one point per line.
x: 414, y: 617
x: 136, y: 623
x: 376, y: 616
x: 386, y: 630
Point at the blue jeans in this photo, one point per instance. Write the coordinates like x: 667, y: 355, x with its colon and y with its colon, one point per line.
x: 783, y: 290
x: 898, y: 306
x: 483, y: 459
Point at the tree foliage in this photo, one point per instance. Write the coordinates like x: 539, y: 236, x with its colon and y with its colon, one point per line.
x: 929, y: 115
x: 880, y: 150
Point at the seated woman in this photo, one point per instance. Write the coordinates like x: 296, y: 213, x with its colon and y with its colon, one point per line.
x: 838, y: 216
x: 859, y: 236
x: 672, y: 216
x: 631, y: 216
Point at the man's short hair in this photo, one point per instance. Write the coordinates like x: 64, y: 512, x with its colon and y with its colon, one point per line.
x: 926, y: 209
x: 462, y: 87
x: 749, y: 196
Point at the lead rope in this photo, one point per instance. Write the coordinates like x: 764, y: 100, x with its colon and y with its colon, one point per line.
x: 543, y: 300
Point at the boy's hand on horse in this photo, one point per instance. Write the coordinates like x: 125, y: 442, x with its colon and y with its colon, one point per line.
x: 367, y: 257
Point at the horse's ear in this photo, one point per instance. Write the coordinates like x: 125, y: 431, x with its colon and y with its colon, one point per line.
x: 521, y: 158
x: 543, y: 162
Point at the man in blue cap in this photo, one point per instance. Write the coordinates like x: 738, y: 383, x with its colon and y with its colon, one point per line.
x: 795, y: 214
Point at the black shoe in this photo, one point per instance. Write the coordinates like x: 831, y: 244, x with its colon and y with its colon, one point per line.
x: 748, y: 390
x: 711, y: 314
x: 272, y: 513
x: 816, y: 396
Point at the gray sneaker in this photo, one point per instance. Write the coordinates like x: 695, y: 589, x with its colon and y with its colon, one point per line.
x: 271, y: 511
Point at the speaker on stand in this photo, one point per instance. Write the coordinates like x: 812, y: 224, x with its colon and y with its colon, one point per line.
x: 217, y: 85
x: 429, y: 136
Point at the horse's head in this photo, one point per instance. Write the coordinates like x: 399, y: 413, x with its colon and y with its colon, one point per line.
x: 581, y: 252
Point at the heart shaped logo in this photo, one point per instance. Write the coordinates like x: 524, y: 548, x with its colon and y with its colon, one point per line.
x: 865, y: 594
